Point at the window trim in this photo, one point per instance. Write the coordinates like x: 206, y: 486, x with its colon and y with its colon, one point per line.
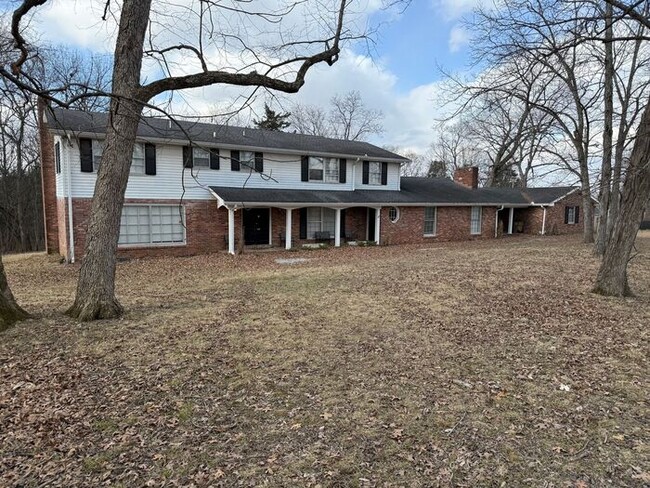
x: 322, y: 220
x: 370, y: 173
x: 155, y: 244
x: 248, y: 164
x: 194, y: 160
x: 571, y: 217
x: 324, y: 161
x: 435, y: 221
x: 144, y: 161
x: 57, y: 157
x: 398, y: 214
x: 480, y: 220
x: 95, y: 143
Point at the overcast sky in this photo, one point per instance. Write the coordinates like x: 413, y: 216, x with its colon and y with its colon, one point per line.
x: 398, y: 76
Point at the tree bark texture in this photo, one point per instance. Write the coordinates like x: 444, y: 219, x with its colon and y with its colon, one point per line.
x: 10, y: 312
x: 612, y: 275
x: 606, y: 167
x: 95, y: 297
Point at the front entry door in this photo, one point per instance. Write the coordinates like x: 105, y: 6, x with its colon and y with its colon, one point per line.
x: 256, y: 226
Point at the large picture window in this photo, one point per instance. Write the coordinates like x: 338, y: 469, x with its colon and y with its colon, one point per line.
x: 320, y: 220
x: 430, y: 214
x: 475, y: 220
x: 324, y: 169
x: 152, y: 224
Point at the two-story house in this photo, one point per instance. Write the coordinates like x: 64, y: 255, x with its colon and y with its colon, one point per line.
x: 204, y: 188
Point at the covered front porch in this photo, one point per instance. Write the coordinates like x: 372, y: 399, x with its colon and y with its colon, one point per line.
x: 253, y: 225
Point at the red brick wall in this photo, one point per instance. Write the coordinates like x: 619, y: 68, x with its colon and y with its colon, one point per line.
x: 554, y: 217
x: 206, y: 228
x: 62, y: 226
x: 453, y: 224
x: 48, y: 178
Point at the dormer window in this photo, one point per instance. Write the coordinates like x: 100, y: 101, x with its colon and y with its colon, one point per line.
x: 324, y: 169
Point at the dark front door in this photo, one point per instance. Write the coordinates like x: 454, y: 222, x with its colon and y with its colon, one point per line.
x: 371, y: 224
x: 256, y: 226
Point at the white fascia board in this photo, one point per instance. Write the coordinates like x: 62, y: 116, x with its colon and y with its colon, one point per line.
x: 240, y: 204
x: 183, y: 142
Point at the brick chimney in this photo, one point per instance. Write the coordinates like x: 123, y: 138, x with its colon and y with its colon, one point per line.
x: 467, y: 176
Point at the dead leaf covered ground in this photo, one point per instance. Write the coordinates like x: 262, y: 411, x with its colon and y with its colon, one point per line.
x: 464, y: 364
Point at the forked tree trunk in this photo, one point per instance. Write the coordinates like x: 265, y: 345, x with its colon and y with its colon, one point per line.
x: 612, y: 275
x: 95, y: 298
x: 606, y: 167
x: 10, y: 312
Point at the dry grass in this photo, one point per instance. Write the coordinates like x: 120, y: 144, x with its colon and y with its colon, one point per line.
x: 398, y: 366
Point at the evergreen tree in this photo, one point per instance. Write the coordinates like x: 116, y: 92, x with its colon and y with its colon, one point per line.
x: 273, y: 120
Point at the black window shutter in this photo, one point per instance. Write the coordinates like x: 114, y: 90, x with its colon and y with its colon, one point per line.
x: 343, y: 223
x: 234, y: 161
x: 384, y: 173
x: 303, y: 223
x: 577, y: 214
x: 86, y: 155
x: 343, y: 168
x: 366, y: 171
x: 304, y: 169
x: 150, y: 159
x: 566, y: 215
x: 259, y: 162
x: 214, y: 158
x: 187, y: 157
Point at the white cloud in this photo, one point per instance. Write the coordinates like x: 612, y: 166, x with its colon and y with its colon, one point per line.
x: 459, y: 37
x: 455, y: 9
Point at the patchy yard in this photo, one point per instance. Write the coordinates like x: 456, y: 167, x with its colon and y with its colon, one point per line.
x: 473, y: 364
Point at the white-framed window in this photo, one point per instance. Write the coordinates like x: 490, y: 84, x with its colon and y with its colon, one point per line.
x: 374, y: 173
x: 137, y: 162
x: 324, y: 169
x: 430, y: 221
x: 571, y: 215
x: 393, y: 214
x: 200, y: 157
x: 98, y: 150
x: 152, y: 225
x: 247, y: 159
x: 475, y: 220
x: 320, y: 219
x: 57, y: 157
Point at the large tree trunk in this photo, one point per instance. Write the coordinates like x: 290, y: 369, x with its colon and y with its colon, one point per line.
x: 10, y: 312
x: 587, y: 207
x: 606, y: 167
x: 612, y: 275
x: 95, y: 298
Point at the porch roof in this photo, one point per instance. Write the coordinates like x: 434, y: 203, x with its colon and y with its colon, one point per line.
x: 414, y: 192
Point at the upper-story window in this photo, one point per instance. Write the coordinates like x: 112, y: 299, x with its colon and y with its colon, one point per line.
x: 137, y: 161
x: 324, y: 169
x: 374, y: 173
x: 247, y: 159
x: 57, y: 157
x: 200, y: 157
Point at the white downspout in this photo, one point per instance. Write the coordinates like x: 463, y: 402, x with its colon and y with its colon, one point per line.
x: 70, y: 223
x: 496, y: 221
x: 544, y: 222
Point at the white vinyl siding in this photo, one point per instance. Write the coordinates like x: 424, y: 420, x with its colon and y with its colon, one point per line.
x: 168, y: 185
x: 152, y: 225
x: 320, y: 219
x: 475, y: 220
x: 430, y: 221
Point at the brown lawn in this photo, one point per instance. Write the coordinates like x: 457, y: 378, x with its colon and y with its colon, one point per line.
x: 471, y: 364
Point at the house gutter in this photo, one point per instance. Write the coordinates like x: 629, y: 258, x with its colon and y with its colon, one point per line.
x: 496, y: 221
x: 69, y: 185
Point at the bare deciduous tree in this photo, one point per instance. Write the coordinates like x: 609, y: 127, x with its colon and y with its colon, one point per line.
x: 281, y: 67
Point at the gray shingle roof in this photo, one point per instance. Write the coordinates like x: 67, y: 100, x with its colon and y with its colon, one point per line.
x: 221, y: 135
x: 414, y: 191
x: 547, y: 194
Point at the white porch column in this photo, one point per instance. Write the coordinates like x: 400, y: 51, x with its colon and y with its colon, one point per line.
x: 287, y: 236
x: 337, y: 227
x: 231, y: 230
x: 377, y: 224
x: 511, y: 219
